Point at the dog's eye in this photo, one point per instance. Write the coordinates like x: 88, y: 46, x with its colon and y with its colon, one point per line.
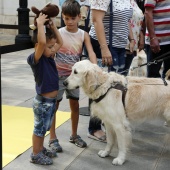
x: 75, y: 72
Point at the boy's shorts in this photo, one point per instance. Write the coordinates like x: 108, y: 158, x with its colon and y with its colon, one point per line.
x: 44, y: 109
x: 70, y: 94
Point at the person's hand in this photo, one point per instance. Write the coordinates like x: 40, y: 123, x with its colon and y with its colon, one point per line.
x: 51, y: 24
x: 154, y: 45
x: 106, y: 56
x: 42, y: 18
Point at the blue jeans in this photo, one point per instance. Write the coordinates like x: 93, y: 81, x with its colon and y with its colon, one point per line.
x: 118, y: 57
x: 153, y: 70
x: 44, y: 109
x: 128, y: 61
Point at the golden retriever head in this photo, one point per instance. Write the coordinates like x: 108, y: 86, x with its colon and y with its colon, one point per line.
x: 86, y: 75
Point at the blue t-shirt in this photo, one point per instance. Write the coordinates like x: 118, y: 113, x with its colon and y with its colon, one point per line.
x: 45, y: 74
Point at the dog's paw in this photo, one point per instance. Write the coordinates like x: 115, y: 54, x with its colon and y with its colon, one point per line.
x: 118, y: 161
x: 103, y: 153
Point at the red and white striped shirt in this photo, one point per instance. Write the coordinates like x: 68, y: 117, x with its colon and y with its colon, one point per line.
x: 161, y: 18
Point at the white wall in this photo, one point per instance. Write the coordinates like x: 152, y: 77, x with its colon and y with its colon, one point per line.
x: 9, y: 13
x: 9, y: 7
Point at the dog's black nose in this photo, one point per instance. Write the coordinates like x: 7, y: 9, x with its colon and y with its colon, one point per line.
x: 65, y: 83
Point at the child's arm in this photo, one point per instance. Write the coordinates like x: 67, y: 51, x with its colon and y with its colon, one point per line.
x: 41, y: 38
x: 59, y: 40
x: 89, y: 48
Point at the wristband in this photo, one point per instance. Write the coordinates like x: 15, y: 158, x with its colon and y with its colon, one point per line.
x: 152, y: 38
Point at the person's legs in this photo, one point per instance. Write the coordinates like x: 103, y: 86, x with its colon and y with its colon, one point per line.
x: 37, y: 144
x: 43, y: 116
x: 153, y: 70
x: 73, y: 96
x: 52, y: 129
x: 166, y: 63
x: 74, y: 106
x: 95, y: 123
x: 54, y: 142
x: 128, y: 61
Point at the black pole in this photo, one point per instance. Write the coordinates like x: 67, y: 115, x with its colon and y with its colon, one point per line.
x: 23, y: 23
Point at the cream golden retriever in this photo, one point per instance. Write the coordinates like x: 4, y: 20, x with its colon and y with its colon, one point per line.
x: 145, y: 98
x: 136, y: 62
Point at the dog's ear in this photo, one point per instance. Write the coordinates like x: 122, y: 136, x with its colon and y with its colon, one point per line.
x: 90, y: 80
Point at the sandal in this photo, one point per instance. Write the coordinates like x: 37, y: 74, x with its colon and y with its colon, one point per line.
x: 101, y: 139
x: 41, y: 159
x: 54, y: 144
x: 78, y: 141
x: 49, y: 153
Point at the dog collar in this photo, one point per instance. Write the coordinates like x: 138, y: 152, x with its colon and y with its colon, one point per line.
x: 117, y: 86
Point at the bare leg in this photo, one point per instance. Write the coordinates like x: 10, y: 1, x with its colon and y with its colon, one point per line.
x: 74, y: 106
x: 37, y: 143
x: 52, y: 129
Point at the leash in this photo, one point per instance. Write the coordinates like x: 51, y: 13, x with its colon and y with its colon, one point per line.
x: 154, y: 61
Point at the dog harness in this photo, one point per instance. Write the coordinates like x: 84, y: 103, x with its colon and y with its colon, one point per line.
x: 117, y: 86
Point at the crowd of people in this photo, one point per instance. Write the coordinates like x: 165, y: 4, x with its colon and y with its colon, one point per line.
x: 118, y: 29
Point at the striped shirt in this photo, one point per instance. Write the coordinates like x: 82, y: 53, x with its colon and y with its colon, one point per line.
x: 122, y: 13
x: 161, y: 19
x: 70, y: 51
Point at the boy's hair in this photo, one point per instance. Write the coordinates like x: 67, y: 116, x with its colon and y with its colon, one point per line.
x: 71, y: 8
x: 49, y: 35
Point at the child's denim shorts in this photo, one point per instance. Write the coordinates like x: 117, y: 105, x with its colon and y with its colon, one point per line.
x: 44, y: 109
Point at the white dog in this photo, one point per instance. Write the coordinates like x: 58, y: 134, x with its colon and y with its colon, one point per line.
x: 136, y: 62
x: 145, y: 97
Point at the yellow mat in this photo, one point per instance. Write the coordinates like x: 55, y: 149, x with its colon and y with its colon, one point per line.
x: 17, y: 128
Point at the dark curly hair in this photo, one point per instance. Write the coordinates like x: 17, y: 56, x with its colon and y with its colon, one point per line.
x: 49, y: 35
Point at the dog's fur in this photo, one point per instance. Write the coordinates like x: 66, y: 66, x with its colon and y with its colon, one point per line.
x: 145, y: 98
x: 136, y: 62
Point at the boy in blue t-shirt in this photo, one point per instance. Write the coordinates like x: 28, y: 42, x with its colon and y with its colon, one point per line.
x: 47, y: 41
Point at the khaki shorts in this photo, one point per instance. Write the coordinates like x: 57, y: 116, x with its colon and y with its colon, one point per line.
x: 70, y: 94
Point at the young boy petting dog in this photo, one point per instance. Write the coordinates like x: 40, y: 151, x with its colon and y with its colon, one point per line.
x: 67, y: 56
x: 47, y: 41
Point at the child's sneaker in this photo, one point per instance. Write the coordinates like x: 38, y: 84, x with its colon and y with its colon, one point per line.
x: 41, y: 159
x: 50, y: 154
x: 78, y: 141
x: 54, y: 144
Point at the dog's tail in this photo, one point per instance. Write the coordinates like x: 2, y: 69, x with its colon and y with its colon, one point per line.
x: 167, y: 75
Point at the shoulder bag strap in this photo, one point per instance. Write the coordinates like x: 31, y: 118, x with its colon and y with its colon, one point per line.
x: 111, y: 26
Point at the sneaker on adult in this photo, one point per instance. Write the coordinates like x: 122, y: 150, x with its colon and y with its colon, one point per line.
x: 78, y: 141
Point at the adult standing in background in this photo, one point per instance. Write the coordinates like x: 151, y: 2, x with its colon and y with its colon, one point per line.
x: 122, y: 13
x: 157, y: 37
x: 99, y: 33
x: 136, y: 24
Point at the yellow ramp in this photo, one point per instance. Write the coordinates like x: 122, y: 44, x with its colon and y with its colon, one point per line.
x: 17, y: 128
